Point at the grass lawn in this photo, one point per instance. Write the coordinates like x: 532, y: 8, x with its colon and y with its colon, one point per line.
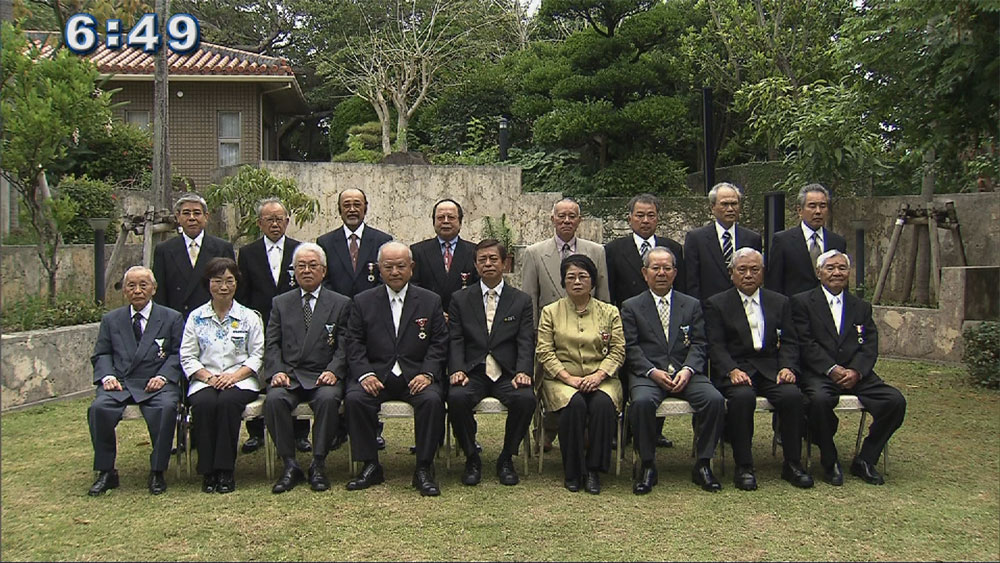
x: 940, y: 502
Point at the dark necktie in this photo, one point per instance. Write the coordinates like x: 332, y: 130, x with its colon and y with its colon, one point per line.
x: 307, y: 312
x: 137, y: 327
x: 447, y: 256
x: 814, y: 248
x: 727, y: 248
x: 644, y: 250
x: 566, y: 250
x: 353, y: 249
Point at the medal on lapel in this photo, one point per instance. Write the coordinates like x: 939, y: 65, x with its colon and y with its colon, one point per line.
x: 861, y: 333
x: 777, y: 343
x: 605, y: 339
x: 291, y: 278
x: 422, y: 325
x: 371, y: 272
x: 331, y: 337
x: 159, y: 344
x: 685, y: 331
x: 465, y: 279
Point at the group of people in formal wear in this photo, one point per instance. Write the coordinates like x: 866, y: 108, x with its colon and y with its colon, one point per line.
x: 358, y: 318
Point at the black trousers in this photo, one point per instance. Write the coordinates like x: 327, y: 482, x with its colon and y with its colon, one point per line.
x: 595, y: 414
x: 885, y: 403
x: 362, y: 417
x: 787, y: 400
x: 255, y: 428
x: 709, y: 418
x: 217, y: 416
x: 462, y: 399
x: 325, y: 403
x: 160, y: 413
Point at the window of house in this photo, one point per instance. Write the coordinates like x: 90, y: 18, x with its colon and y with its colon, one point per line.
x: 138, y: 118
x: 229, y: 138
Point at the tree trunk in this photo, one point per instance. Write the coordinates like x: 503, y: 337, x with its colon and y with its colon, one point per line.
x: 921, y: 291
x: 402, y: 124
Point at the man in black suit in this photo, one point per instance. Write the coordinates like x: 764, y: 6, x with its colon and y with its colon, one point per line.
x: 492, y: 354
x: 665, y: 356
x: 791, y: 262
x: 306, y: 361
x: 625, y: 256
x: 446, y: 263
x: 266, y: 269
x: 753, y: 349
x: 839, y: 343
x: 397, y: 346
x: 351, y: 250
x: 179, y: 263
x: 136, y: 361
x: 708, y: 250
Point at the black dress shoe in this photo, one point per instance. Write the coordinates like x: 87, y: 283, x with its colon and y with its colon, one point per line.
x: 645, y: 479
x: 796, y: 475
x: 338, y: 440
x: 106, y: 480
x: 572, y: 485
x: 227, y: 482
x: 317, y: 478
x: 745, y: 480
x: 157, y: 484
x: 209, y: 483
x: 252, y: 444
x: 506, y: 472
x: 702, y: 476
x: 371, y: 474
x: 663, y: 442
x: 473, y: 471
x: 866, y: 471
x: 423, y: 481
x: 834, y: 475
x: 289, y: 478
x: 303, y: 445
x: 593, y: 483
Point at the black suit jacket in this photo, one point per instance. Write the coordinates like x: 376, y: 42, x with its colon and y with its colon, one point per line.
x: 257, y: 288
x: 646, y: 346
x: 428, y: 270
x: 117, y: 353
x: 305, y: 355
x: 179, y: 286
x: 731, y: 346
x: 625, y: 267
x: 855, y: 347
x: 789, y: 267
x: 340, y: 275
x: 511, y: 340
x: 707, y: 273
x: 372, y: 343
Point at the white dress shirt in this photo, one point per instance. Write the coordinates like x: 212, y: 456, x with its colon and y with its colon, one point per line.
x: 755, y: 309
x: 651, y: 241
x: 836, y: 303
x: 719, y: 229
x: 275, y: 252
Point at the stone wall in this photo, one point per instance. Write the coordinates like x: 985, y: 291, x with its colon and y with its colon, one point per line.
x: 45, y: 364
x: 24, y: 275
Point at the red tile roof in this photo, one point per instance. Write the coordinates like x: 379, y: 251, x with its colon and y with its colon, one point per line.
x: 207, y: 59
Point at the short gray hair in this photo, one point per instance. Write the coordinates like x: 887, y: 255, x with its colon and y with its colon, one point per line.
x: 394, y: 244
x: 744, y: 252
x: 190, y: 197
x: 818, y: 188
x: 570, y: 200
x: 141, y: 270
x: 268, y: 201
x: 822, y: 258
x: 658, y: 250
x: 713, y: 193
x: 309, y: 247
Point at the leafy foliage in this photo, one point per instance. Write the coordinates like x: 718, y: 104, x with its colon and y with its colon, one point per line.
x: 348, y: 113
x: 35, y: 312
x: 982, y: 353
x: 250, y: 185
x: 91, y: 199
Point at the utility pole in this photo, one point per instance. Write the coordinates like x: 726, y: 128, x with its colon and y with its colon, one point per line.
x: 161, y: 120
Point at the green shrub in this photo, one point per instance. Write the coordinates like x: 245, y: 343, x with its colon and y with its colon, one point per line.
x: 122, y: 156
x: 34, y: 312
x: 92, y: 198
x: 982, y: 354
x: 348, y: 113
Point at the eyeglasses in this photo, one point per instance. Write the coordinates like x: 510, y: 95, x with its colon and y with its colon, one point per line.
x: 279, y: 220
x: 570, y: 278
x: 223, y: 281
x: 667, y: 269
x: 192, y: 213
x: 132, y: 286
x: 303, y: 266
x: 743, y: 270
x: 836, y: 268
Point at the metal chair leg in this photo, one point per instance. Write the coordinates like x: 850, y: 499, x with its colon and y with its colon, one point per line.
x: 447, y: 442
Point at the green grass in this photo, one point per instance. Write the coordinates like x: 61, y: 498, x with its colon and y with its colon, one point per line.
x: 940, y: 502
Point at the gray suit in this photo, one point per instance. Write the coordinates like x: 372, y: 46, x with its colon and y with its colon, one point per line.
x: 647, y: 347
x: 134, y: 364
x: 541, y: 280
x: 304, y: 356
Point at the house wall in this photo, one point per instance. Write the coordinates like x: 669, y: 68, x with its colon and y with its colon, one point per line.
x: 194, y: 141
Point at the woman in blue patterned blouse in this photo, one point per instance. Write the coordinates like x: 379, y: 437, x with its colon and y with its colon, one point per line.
x: 221, y: 353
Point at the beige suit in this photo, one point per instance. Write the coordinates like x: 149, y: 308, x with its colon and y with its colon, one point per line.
x: 541, y: 279
x: 580, y: 344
